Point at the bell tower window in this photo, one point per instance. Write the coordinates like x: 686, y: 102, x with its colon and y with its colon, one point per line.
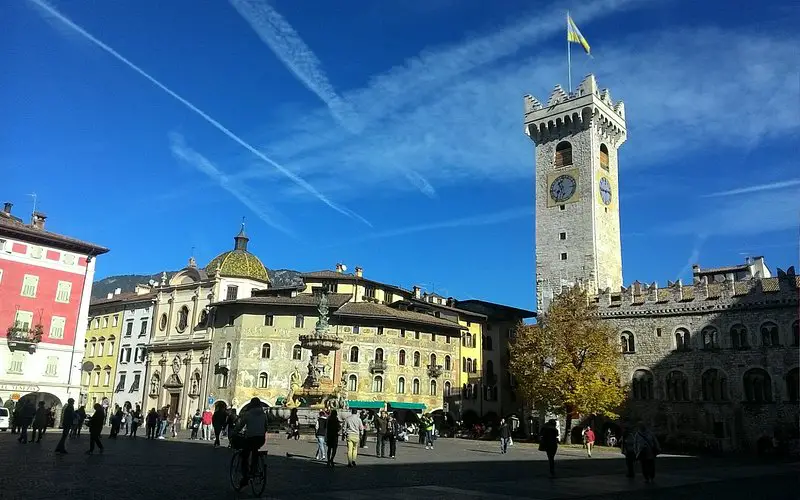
x: 563, y: 154
x: 603, y: 157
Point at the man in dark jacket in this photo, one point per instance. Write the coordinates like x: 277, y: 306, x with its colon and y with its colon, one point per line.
x: 392, y: 430
x: 67, y: 417
x: 505, y: 436
x: 218, y: 421
x: 96, y: 428
x: 381, y: 425
x: 548, y: 443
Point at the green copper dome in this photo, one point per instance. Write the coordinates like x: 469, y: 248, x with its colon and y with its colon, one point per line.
x: 238, y: 263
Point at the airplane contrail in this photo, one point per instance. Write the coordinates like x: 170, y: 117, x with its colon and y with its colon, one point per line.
x: 296, y: 179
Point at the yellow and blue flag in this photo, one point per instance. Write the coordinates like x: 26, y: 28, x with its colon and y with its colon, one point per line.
x: 574, y: 35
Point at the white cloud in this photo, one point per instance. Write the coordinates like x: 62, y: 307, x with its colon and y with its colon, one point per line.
x: 754, y: 189
x: 185, y: 153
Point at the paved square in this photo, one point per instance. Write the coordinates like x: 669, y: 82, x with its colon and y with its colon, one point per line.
x: 461, y: 469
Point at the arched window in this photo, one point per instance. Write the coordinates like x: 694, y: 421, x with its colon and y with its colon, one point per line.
x: 401, y: 357
x: 433, y: 359
x: 677, y: 386
x: 447, y: 389
x: 354, y: 354
x: 297, y: 352
x: 415, y: 386
x: 377, y: 384
x: 263, y: 380
x: 183, y: 318
x: 448, y: 363
x: 487, y: 343
x: 603, y: 156
x: 401, y: 385
x: 793, y: 385
x: 469, y: 365
x: 155, y: 382
x: 433, y: 388
x: 378, y: 354
x: 101, y: 346
x: 739, y: 337
x: 757, y: 386
x: 682, y: 339
x: 769, y: 334
x: 642, y: 385
x: 266, y: 351
x: 465, y: 390
x: 710, y: 338
x: 228, y: 350
x: 796, y: 333
x: 628, y: 342
x: 91, y: 347
x: 715, y: 385
x: 352, y: 383
x: 467, y: 340
x: 416, y: 358
x: 563, y: 154
x: 162, y: 322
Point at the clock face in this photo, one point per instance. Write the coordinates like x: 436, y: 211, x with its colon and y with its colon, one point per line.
x: 563, y: 188
x: 605, y: 190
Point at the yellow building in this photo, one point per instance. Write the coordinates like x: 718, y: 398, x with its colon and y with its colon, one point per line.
x: 99, y: 366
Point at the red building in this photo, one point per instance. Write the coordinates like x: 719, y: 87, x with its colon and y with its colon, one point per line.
x: 45, y: 287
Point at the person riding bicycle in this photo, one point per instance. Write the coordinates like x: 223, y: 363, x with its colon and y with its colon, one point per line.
x: 254, y: 421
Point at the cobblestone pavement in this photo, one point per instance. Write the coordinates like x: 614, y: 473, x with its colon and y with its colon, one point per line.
x: 461, y: 469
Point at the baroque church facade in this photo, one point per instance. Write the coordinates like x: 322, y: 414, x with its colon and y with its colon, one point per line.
x: 712, y: 364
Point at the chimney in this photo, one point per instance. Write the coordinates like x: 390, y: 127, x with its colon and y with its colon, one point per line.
x: 117, y: 291
x: 7, y: 207
x: 37, y: 220
x: 450, y: 302
x: 417, y: 292
x: 359, y: 272
x: 339, y: 267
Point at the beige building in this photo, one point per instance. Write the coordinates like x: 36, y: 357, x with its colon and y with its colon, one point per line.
x: 179, y: 362
x: 392, y: 354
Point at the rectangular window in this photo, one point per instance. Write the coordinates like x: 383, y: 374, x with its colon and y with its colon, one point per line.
x: 121, y: 384
x: 416, y: 335
x: 63, y: 292
x: 57, y: 326
x: 115, y: 321
x: 402, y: 333
x: 380, y: 330
x: 15, y: 363
x: 562, y: 236
x: 23, y: 320
x: 369, y: 292
x: 299, y: 321
x: 51, y: 368
x: 136, y: 379
x: 563, y: 255
x: 129, y: 328
x: 96, y: 323
x: 37, y: 252
x: 30, y: 284
x: 105, y: 322
x: 387, y: 297
x: 562, y: 207
x: 269, y: 320
x: 433, y: 337
x: 232, y: 293
x: 143, y: 328
x: 330, y: 286
x: 356, y: 329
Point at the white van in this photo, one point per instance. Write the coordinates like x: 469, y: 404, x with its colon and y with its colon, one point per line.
x: 4, y: 419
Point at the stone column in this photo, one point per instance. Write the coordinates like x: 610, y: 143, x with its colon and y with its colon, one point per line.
x: 169, y: 314
x: 148, y: 363
x: 204, y: 379
x: 193, y: 323
x: 162, y: 379
x: 187, y: 360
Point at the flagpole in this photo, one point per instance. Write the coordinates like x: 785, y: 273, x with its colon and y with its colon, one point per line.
x: 569, y: 59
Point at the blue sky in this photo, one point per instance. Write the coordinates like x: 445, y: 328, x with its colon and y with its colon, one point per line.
x: 389, y: 134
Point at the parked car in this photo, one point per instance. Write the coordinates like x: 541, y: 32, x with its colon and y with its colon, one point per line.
x: 5, y: 419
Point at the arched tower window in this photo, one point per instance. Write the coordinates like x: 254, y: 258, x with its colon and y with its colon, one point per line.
x: 682, y: 339
x: 769, y: 334
x: 416, y: 358
x: 433, y: 388
x: 433, y: 359
x: 297, y: 352
x: 642, y: 385
x: 739, y: 337
x: 263, y: 380
x: 710, y: 338
x: 378, y: 354
x: 401, y: 357
x: 757, y: 386
x: 603, y: 156
x: 401, y: 385
x: 228, y: 350
x: 677, y: 386
x: 415, y: 386
x: 628, y: 342
x: 563, y: 154
x: 266, y: 351
x: 448, y: 363
x: 377, y: 384
x: 447, y: 389
x: 715, y: 385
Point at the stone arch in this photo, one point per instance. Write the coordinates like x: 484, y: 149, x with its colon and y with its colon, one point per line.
x: 627, y: 341
x: 714, y: 385
x: 769, y: 333
x: 709, y: 336
x: 51, y: 402
x: 682, y: 338
x: 739, y: 336
x: 677, y: 386
x: 643, y: 384
x: 757, y: 385
x: 563, y: 154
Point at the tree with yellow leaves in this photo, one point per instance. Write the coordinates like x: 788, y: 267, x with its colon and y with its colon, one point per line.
x: 567, y: 362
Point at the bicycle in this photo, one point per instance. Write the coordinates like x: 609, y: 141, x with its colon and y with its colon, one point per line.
x: 258, y: 474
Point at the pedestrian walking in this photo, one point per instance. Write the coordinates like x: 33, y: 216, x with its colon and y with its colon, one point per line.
x: 321, y: 433
x: 505, y: 436
x: 548, y: 443
x: 367, y: 419
x: 231, y: 423
x: 206, y: 424
x: 196, y: 421
x: 589, y: 438
x: 647, y: 449
x: 175, y: 424
x: 628, y: 448
x: 39, y: 422
x: 96, y: 428
x: 26, y: 419
x: 428, y: 425
x: 392, y: 431
x: 151, y: 423
x: 116, y: 422
x: 332, y: 430
x: 218, y: 421
x: 355, y: 428
x: 67, y: 417
x: 136, y: 420
x: 381, y: 423
x: 81, y: 413
x: 294, y: 425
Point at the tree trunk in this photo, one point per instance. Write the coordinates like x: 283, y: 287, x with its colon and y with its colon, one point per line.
x: 568, y: 426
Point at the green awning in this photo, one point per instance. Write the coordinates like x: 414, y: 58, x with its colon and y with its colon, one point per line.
x: 365, y: 404
x: 407, y: 406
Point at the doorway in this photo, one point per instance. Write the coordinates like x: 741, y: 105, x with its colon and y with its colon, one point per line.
x: 174, y: 398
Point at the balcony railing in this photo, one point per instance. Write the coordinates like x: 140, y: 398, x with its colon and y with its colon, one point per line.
x: 24, y: 339
x: 434, y: 371
x: 224, y: 363
x: 377, y: 366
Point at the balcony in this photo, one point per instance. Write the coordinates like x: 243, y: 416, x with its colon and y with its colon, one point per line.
x: 377, y: 366
x: 24, y: 338
x: 224, y: 363
x: 434, y: 371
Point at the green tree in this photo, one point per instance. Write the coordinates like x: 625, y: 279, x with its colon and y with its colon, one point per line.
x: 567, y: 362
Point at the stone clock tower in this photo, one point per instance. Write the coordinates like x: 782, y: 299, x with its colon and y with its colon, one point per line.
x: 577, y: 136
